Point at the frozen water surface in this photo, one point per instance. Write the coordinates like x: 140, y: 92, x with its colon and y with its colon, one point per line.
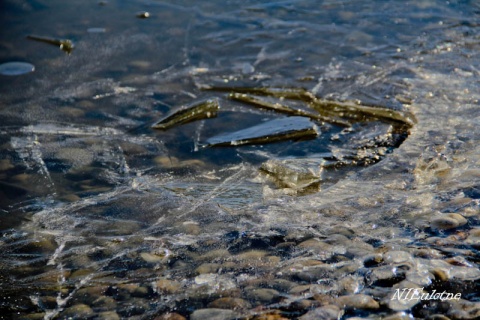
x: 104, y: 217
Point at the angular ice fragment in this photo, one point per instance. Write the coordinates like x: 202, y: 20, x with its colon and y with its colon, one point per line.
x: 295, y: 173
x: 203, y: 110
x: 290, y: 128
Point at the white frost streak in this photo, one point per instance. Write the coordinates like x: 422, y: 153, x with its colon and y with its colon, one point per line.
x: 29, y: 150
x: 226, y: 185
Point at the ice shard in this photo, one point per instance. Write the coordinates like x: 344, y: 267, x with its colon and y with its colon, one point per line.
x: 203, y: 110
x: 289, y: 128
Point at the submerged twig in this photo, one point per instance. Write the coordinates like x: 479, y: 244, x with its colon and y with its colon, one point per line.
x: 65, y: 45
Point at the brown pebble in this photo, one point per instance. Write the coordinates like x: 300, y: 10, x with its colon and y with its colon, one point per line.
x: 170, y: 316
x: 78, y: 311
x: 168, y: 286
x: 357, y: 301
x: 323, y: 299
x: 300, y: 289
x: 107, y: 315
x: 5, y: 165
x: 104, y: 303
x: 263, y: 295
x: 328, y: 312
x: 230, y: 303
x: 271, y: 315
x: 207, y: 268
x: 448, y: 221
x: 213, y: 314
x: 428, y: 253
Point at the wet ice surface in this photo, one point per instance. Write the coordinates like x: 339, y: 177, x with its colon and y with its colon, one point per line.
x: 103, y: 217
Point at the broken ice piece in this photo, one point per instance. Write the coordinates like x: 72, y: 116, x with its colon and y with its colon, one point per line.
x: 202, y: 110
x: 295, y: 173
x: 290, y: 128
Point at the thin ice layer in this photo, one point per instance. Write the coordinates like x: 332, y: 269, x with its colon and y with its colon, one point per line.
x: 295, y: 173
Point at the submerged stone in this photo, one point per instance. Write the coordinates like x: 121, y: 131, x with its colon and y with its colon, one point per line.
x: 448, y: 221
x: 213, y: 314
x: 290, y: 128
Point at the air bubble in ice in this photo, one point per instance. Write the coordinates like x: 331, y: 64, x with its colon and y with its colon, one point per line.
x: 16, y: 68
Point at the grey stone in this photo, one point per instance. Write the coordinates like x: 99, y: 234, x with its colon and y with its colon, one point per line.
x: 213, y: 314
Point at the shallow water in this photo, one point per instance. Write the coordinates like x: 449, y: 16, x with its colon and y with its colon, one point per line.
x: 103, y: 217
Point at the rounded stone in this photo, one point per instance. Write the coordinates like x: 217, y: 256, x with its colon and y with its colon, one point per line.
x: 373, y: 260
x: 474, y: 238
x: 108, y: 315
x: 89, y: 294
x: 315, y: 245
x: 282, y: 285
x: 134, y: 306
x: 422, y: 278
x: 214, y: 254
x: 263, y: 295
x: 213, y: 314
x: 104, y: 303
x: 6, y: 164
x: 300, y: 289
x: 170, y: 316
x: 168, y: 286
x: 251, y: 255
x: 358, y: 301
x: 397, y: 257
x: 448, y: 221
x: 230, y: 303
x: 78, y: 311
x: 350, y: 285
x: 207, y: 268
x: 328, y: 312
